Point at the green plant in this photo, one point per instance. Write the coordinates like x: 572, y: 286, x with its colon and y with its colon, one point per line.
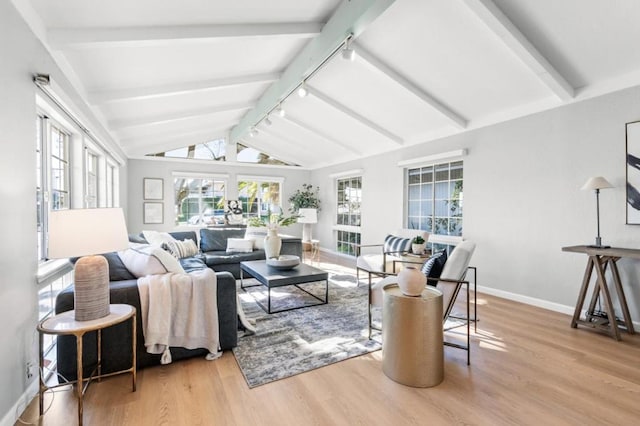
x: 275, y: 221
x: 305, y: 198
x: 418, y: 240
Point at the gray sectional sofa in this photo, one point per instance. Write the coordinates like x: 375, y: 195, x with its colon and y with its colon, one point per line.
x: 116, y: 340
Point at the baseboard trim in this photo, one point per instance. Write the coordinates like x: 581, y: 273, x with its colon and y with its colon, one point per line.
x: 11, y: 417
x: 540, y: 303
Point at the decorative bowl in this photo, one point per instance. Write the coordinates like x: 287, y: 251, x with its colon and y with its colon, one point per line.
x: 284, y: 262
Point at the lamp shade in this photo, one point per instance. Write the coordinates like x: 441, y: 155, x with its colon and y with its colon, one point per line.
x: 81, y: 232
x: 308, y: 215
x: 597, y: 182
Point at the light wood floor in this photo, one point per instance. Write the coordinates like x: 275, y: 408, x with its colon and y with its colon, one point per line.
x: 528, y: 367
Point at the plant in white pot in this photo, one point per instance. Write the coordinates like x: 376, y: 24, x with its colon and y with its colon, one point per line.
x: 418, y: 245
x: 273, y: 222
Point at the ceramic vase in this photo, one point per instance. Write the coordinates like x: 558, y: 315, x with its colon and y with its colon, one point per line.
x: 418, y: 248
x: 272, y: 244
x: 411, y: 281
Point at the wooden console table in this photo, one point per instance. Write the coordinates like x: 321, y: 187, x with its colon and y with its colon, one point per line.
x: 600, y: 259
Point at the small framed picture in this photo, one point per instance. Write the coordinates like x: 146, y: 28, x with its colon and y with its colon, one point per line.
x: 153, y: 188
x: 153, y: 213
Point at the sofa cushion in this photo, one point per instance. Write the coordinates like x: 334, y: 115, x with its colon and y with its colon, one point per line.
x: 256, y: 234
x: 181, y: 249
x: 393, y: 244
x: 190, y: 264
x: 213, y: 258
x: 142, y: 260
x: 117, y: 270
x: 432, y: 268
x: 215, y: 239
x: 239, y: 245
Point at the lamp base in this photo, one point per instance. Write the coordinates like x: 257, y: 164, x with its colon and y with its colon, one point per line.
x: 91, y: 288
x: 598, y: 246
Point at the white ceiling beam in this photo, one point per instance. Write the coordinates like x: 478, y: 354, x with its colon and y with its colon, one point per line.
x: 354, y: 115
x: 105, y: 96
x: 168, y: 118
x: 321, y: 134
x: 350, y: 18
x: 502, y: 26
x: 60, y: 38
x: 455, y: 118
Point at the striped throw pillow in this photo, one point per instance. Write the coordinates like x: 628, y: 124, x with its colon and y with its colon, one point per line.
x: 181, y: 249
x: 393, y: 244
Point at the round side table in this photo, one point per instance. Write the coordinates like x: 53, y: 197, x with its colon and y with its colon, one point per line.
x: 66, y: 324
x: 412, y: 337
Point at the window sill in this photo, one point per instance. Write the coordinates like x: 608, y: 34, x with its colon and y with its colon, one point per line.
x: 52, y: 270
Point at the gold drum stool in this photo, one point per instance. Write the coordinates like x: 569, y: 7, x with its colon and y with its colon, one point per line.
x: 412, y: 337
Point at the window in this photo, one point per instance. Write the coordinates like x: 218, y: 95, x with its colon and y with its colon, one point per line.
x: 111, y: 174
x: 59, y: 148
x: 348, y: 199
x: 260, y: 196
x: 435, y: 198
x: 199, y: 201
x: 91, y: 180
x: 40, y: 207
x: 46, y: 302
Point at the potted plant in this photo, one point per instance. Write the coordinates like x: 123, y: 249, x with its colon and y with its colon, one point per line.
x: 418, y: 244
x: 305, y: 198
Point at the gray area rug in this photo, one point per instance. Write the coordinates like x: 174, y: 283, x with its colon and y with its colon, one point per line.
x: 293, y: 342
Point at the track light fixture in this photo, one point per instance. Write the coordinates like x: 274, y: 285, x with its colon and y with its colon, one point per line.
x: 267, y: 121
x: 253, y: 132
x: 302, y: 90
x: 348, y: 53
x: 280, y: 111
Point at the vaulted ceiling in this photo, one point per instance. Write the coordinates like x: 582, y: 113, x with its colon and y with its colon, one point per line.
x: 161, y: 75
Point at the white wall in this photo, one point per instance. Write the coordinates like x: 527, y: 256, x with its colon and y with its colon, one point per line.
x: 522, y: 197
x: 163, y: 168
x: 21, y: 55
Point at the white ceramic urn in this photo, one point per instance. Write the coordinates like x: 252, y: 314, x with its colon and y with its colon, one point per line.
x: 411, y: 281
x: 272, y: 244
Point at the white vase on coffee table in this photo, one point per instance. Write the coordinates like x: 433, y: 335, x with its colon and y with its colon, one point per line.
x: 272, y: 244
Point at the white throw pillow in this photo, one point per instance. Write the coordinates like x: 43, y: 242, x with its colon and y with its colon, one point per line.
x: 156, y: 238
x: 239, y: 245
x: 256, y: 234
x: 142, y: 260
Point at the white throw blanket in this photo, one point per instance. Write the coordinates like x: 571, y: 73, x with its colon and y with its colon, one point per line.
x: 180, y: 310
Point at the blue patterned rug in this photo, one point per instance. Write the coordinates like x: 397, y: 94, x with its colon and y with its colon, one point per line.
x: 293, y: 342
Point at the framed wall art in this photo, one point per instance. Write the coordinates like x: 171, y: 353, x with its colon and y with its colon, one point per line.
x: 153, y: 188
x: 633, y: 173
x: 153, y: 213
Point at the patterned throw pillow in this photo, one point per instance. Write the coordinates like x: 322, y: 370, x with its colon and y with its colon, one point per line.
x: 143, y: 259
x: 181, y: 249
x: 393, y: 244
x: 432, y: 268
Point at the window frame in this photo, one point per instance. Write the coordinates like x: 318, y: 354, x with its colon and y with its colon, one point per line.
x: 436, y: 241
x: 246, y: 213
x: 351, y: 232
x: 216, y: 178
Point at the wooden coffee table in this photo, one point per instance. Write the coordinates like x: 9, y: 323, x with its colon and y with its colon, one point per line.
x: 271, y: 277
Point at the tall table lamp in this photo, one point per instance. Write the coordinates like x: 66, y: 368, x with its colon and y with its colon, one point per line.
x: 597, y: 183
x: 88, y: 233
x: 307, y: 217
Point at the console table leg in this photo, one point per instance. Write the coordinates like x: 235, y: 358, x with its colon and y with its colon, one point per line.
x: 602, y: 283
x: 583, y: 292
x: 622, y: 299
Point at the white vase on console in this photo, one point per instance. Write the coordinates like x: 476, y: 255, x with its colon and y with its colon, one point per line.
x: 272, y: 244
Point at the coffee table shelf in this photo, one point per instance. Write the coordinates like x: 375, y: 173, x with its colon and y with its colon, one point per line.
x: 271, y: 278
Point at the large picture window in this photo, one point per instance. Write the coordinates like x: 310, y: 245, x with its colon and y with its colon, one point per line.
x: 260, y: 196
x: 91, y: 180
x: 199, y: 201
x: 348, y: 218
x: 435, y: 198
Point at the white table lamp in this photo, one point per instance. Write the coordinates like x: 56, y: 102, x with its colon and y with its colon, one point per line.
x: 307, y: 218
x: 597, y: 183
x: 88, y: 233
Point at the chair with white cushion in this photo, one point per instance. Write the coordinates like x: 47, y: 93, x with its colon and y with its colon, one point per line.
x: 449, y: 283
x: 381, y: 258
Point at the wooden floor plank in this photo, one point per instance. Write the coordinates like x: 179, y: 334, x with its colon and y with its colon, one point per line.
x: 528, y: 367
